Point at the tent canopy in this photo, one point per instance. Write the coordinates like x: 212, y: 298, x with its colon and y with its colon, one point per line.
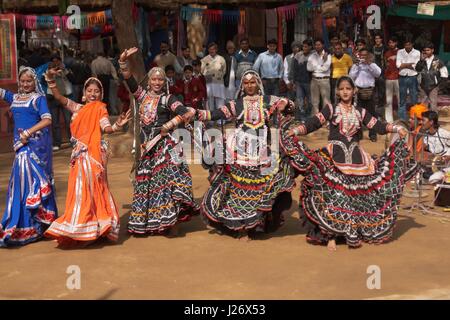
x: 410, y: 11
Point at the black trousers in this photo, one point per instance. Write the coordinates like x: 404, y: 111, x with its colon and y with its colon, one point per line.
x: 104, y: 79
x: 368, y: 104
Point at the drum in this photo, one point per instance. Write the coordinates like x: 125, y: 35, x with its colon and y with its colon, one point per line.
x: 442, y: 195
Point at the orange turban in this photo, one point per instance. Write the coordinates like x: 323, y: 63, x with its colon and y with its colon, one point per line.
x: 417, y: 110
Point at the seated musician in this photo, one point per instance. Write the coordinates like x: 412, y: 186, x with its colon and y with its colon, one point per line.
x: 436, y: 142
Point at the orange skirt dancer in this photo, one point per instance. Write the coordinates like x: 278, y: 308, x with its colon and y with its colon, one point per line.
x: 90, y: 211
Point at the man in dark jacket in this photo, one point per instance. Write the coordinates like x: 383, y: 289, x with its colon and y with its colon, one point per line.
x: 433, y: 74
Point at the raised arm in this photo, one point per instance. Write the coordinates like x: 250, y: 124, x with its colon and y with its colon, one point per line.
x: 183, y: 114
x: 50, y: 78
x: 379, y: 126
x: 313, y: 123
x: 374, y: 69
x: 226, y: 112
x: 124, y: 69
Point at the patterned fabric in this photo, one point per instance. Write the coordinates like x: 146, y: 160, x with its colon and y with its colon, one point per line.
x: 163, y: 192
x: 345, y: 132
x: 242, y: 198
x: 360, y: 208
x: 253, y: 189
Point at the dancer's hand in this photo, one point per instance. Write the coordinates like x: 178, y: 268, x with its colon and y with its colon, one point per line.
x: 127, y: 53
x: 189, y: 115
x: 292, y: 133
x: 24, y: 136
x: 124, y: 118
x: 402, y: 132
x: 282, y: 103
x: 50, y: 74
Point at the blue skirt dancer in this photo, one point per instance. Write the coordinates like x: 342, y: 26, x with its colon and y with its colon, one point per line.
x: 30, y: 203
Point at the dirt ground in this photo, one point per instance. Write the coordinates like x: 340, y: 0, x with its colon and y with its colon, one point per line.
x: 201, y: 264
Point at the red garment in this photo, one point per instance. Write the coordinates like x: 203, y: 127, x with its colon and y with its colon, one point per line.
x: 391, y: 72
x: 201, y: 78
x: 193, y: 92
x: 174, y: 88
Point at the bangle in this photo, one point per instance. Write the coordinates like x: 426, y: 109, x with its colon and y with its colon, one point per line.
x: 206, y: 115
x: 116, y: 127
x: 123, y: 65
x: 26, y: 133
x: 165, y: 127
x: 296, y: 131
x: 396, y: 129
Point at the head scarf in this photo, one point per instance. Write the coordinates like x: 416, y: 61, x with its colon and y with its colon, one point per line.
x: 32, y: 72
x: 250, y: 74
x: 161, y: 71
x: 84, y: 99
x: 417, y: 110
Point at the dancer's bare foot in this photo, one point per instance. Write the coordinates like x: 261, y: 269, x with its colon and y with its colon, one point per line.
x: 243, y: 236
x: 331, y: 245
x: 173, y: 232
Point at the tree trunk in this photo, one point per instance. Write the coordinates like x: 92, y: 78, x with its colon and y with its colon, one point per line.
x: 126, y: 38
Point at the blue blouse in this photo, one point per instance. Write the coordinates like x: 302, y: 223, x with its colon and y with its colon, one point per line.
x: 27, y: 109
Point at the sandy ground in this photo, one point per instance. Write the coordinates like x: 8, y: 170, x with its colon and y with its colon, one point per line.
x: 201, y: 264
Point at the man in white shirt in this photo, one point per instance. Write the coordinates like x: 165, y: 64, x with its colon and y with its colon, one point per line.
x: 433, y: 74
x: 167, y: 58
x: 319, y: 63
x: 436, y: 141
x: 364, y: 73
x: 407, y: 59
x: 214, y: 68
x: 288, y: 62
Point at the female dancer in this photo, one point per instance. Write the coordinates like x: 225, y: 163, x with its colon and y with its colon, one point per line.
x: 163, y: 188
x: 345, y: 192
x: 250, y: 192
x: 30, y: 200
x: 90, y: 211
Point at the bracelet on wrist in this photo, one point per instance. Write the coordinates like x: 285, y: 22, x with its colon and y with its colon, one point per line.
x: 116, y: 127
